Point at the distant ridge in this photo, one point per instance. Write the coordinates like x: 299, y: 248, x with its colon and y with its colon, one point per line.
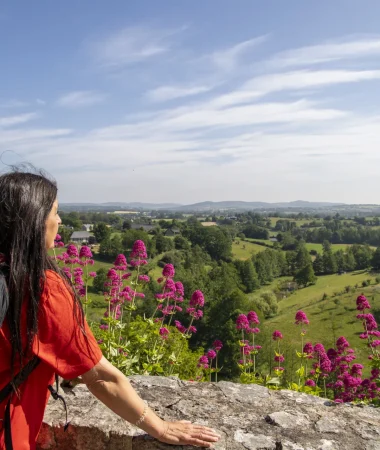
x: 202, y: 206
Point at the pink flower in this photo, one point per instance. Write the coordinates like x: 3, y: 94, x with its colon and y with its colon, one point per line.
x: 310, y: 383
x: 218, y: 345
x: 197, y: 299
x: 211, y: 354
x: 144, y: 278
x: 277, y: 335
x: 170, y: 285
x: 342, y: 343
x: 58, y: 237
x: 179, y: 326
x: 362, y: 303
x: 139, y: 250
x: 308, y: 348
x: 301, y: 318
x: 60, y: 244
x: 375, y: 343
x: 252, y: 317
x: 279, y: 369
x: 370, y: 321
x: 85, y: 252
x: 320, y: 349
x: 160, y: 280
x: 168, y: 271
x: 242, y: 322
x: 279, y: 358
x: 179, y: 289
x: 92, y: 274
x: 72, y: 251
x: 164, y: 333
x: 192, y: 329
x: 203, y: 362
x: 120, y: 262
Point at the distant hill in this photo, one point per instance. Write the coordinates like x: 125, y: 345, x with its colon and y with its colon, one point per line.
x: 239, y: 205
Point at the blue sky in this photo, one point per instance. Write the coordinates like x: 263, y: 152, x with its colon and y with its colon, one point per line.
x: 184, y: 101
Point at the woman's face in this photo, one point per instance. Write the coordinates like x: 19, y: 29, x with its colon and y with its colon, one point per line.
x: 52, y: 223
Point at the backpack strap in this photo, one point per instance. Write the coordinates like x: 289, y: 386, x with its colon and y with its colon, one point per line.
x: 56, y: 396
x: 7, y: 392
x: 12, y: 387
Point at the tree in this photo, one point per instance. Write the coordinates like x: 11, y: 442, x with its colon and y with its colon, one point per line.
x: 305, y: 276
x: 302, y: 258
x: 248, y: 275
x: 163, y: 244
x: 181, y: 243
x: 329, y: 261
x: 376, y: 259
x: 100, y: 279
x: 318, y: 265
x: 101, y: 232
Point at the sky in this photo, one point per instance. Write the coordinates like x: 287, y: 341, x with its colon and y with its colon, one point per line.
x: 186, y: 101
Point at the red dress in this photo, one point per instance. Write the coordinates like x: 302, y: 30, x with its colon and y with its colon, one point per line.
x: 63, y: 348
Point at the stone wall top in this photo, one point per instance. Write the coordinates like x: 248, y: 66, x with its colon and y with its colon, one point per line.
x: 247, y: 417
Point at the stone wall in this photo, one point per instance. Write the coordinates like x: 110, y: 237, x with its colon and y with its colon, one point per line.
x: 247, y: 417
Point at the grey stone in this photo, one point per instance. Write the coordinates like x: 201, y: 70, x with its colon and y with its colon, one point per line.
x: 246, y: 417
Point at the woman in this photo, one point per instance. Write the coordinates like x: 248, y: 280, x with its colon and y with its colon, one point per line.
x: 42, y: 317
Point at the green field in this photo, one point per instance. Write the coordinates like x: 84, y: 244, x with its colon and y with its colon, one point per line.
x: 299, y: 222
x: 319, y: 247
x: 244, y: 250
x: 330, y: 318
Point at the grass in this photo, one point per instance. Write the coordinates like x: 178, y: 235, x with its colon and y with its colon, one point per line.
x: 319, y: 247
x: 299, y: 222
x: 244, y: 250
x: 330, y: 318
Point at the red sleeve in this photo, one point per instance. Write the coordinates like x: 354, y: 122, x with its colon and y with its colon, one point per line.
x: 62, y: 342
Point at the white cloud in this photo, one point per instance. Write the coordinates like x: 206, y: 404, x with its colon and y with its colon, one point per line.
x: 40, y: 102
x: 79, y: 99
x: 130, y: 45
x: 165, y: 93
x: 297, y: 80
x: 228, y: 58
x: 11, y: 121
x: 329, y: 51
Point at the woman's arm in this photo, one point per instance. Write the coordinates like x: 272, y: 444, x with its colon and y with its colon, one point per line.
x: 113, y: 389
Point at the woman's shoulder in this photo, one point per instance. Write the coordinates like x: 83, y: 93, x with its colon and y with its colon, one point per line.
x: 52, y: 277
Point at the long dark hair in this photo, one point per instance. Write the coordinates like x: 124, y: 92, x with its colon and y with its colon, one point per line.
x: 26, y: 199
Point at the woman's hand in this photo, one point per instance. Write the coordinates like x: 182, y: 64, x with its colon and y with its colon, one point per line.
x: 186, y: 433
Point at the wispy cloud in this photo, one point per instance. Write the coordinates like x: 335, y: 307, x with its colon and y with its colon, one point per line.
x: 13, y: 103
x: 16, y: 120
x: 40, y: 102
x: 165, y: 93
x: 297, y: 81
x: 228, y: 58
x: 80, y: 99
x: 131, y: 45
x: 329, y: 51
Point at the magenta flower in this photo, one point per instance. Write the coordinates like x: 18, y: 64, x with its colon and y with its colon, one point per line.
x: 139, y: 250
x: 72, y: 251
x: 179, y: 326
x: 164, y: 333
x: 279, y: 358
x: 179, y: 289
x: 301, y: 318
x: 308, y: 348
x: 211, y: 354
x: 160, y: 280
x: 85, y: 252
x: 58, y: 237
x: 252, y: 317
x: 320, y: 349
x: 279, y: 369
x: 370, y: 321
x: 197, y: 299
x: 277, y: 335
x: 60, y: 244
x: 218, y: 345
x: 92, y: 274
x: 242, y: 322
x: 120, y: 262
x: 168, y: 271
x: 362, y: 303
x: 144, y: 278
x: 342, y: 343
x: 203, y: 362
x: 310, y: 383
x: 192, y: 329
x: 375, y: 343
